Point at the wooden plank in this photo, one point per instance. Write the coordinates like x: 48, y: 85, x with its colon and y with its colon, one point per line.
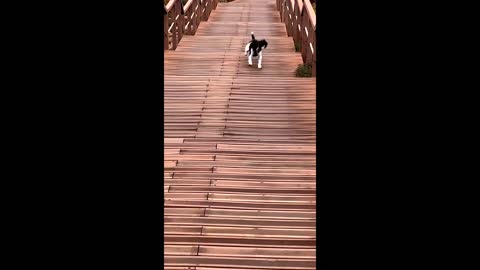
x: 260, y: 232
x: 259, y: 214
x: 181, y: 250
x: 236, y: 222
x: 169, y: 164
x: 227, y: 262
x: 184, y: 212
x: 256, y: 252
x: 173, y: 140
x: 239, y: 241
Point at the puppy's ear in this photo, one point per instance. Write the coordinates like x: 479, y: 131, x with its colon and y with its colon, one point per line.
x: 263, y: 43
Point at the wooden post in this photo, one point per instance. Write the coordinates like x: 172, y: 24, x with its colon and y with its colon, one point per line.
x: 181, y: 19
x: 165, y: 29
x: 308, y: 59
x: 209, y: 8
x: 296, y: 18
x: 287, y: 18
x: 198, y: 13
x: 314, y: 56
x: 202, y: 12
x: 188, y: 22
x: 282, y: 10
x: 304, y: 34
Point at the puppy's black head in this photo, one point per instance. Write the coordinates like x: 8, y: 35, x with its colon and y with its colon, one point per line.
x: 263, y: 44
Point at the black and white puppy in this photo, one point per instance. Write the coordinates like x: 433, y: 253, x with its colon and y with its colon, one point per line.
x: 254, y: 48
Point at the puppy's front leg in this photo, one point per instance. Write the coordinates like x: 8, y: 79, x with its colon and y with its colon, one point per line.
x: 250, y: 57
x: 246, y: 48
x: 260, y: 60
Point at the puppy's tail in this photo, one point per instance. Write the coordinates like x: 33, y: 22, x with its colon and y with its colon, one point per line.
x: 253, y: 37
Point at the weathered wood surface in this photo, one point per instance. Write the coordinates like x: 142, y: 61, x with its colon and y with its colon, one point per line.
x: 239, y: 179
x: 300, y: 21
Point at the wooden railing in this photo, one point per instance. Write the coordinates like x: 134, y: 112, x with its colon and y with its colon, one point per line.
x: 300, y: 21
x: 179, y: 19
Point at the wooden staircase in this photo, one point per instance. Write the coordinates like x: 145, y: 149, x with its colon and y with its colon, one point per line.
x: 240, y: 144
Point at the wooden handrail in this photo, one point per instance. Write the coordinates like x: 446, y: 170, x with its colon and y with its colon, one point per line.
x: 182, y: 19
x: 300, y: 22
x: 300, y: 4
x: 169, y: 5
x: 187, y: 5
x: 311, y: 14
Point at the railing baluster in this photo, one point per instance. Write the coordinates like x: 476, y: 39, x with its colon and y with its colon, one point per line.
x: 314, y: 56
x: 296, y: 17
x: 165, y: 30
x: 179, y: 19
x: 203, y: 6
x: 309, y: 47
x: 299, y: 18
x: 304, y: 38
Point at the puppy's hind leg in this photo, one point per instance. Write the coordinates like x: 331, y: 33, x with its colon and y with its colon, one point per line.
x: 260, y: 60
x: 250, y: 57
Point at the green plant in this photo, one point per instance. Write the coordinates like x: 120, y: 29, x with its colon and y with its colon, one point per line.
x: 303, y: 71
x: 298, y: 46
